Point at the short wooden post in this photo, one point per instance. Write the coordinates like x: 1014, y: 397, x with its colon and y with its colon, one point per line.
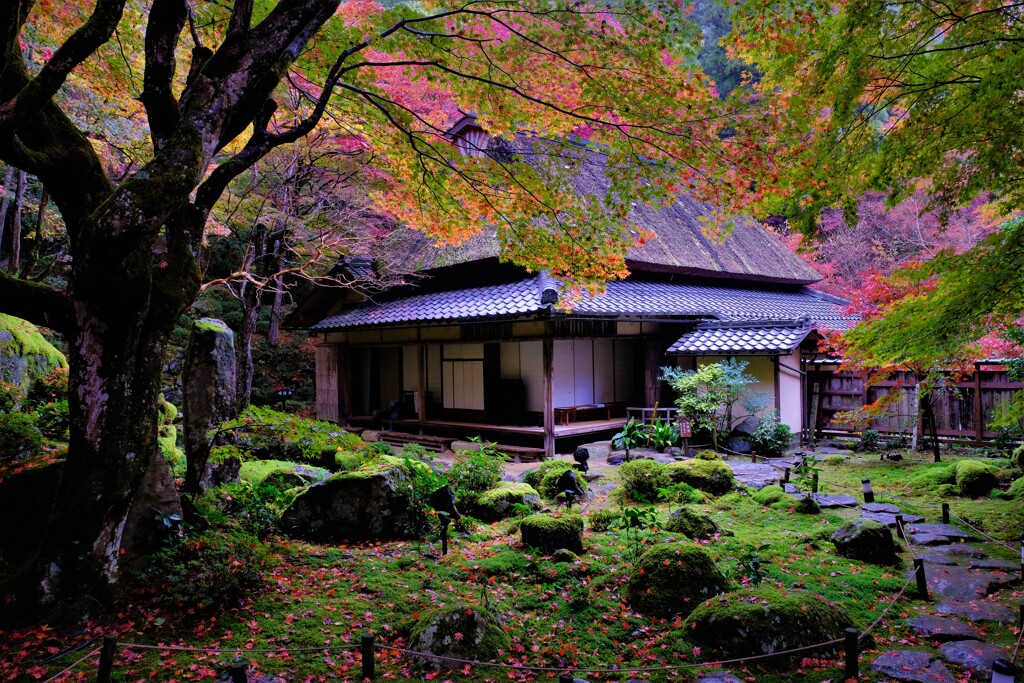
x: 753, y: 457
x: 785, y: 476
x: 369, y: 661
x: 852, y: 655
x: 899, y: 527
x: 237, y: 671
x: 869, y: 494
x: 106, y: 659
x: 945, y: 513
x: 922, y: 582
x: 814, y: 483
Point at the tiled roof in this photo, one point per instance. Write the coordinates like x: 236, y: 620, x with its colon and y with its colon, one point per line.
x: 716, y: 338
x: 505, y: 300
x: 640, y: 297
x: 632, y: 298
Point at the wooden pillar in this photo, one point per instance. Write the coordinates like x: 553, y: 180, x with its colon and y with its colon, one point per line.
x: 652, y: 369
x: 327, y: 381
x: 345, y: 363
x: 549, y: 395
x: 776, y: 377
x: 421, y: 381
x: 979, y: 426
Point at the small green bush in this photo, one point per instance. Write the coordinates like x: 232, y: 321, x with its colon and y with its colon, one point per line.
x: 807, y: 506
x: 603, y: 519
x: 213, y: 570
x: 711, y: 476
x: 417, y: 451
x: 378, y: 448
x: 19, y: 436
x: 346, y: 461
x: 55, y: 420
x: 708, y: 455
x: 870, y: 440
x: 49, y: 388
x: 770, y: 494
x: 642, y: 479
x: 475, y: 471
x: 772, y: 438
x: 545, y: 478
x: 974, y: 478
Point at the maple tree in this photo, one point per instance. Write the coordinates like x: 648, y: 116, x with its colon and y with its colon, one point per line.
x: 191, y: 97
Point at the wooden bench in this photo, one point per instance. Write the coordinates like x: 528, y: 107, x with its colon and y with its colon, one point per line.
x: 566, y: 414
x: 439, y: 444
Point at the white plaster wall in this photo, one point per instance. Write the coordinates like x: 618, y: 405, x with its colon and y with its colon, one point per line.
x: 790, y: 391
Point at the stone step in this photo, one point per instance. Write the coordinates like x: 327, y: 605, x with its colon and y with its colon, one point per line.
x: 943, y: 628
x: 974, y: 656
x: 978, y: 610
x: 913, y: 666
x: 964, y: 584
x: 947, y: 530
x: 888, y: 518
x: 1008, y: 565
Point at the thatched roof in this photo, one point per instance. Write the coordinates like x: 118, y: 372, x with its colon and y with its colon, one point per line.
x: 749, y: 253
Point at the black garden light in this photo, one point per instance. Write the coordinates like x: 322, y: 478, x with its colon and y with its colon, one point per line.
x: 443, y: 502
x: 569, y: 487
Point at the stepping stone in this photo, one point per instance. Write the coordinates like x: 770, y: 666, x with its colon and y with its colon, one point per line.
x: 928, y: 539
x: 937, y: 558
x: 908, y: 665
x: 959, y: 550
x: 978, y: 610
x: 962, y: 584
x: 943, y: 629
x: 947, y: 530
x: 888, y: 518
x: 718, y: 677
x: 830, y: 500
x: 975, y: 656
x: 754, y: 475
x: 1008, y: 565
x: 881, y: 507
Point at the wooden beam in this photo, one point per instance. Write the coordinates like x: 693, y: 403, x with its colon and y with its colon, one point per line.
x: 345, y: 368
x: 979, y: 428
x: 549, y: 395
x: 421, y: 381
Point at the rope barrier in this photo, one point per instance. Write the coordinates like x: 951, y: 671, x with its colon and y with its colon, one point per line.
x: 68, y: 651
x: 888, y: 607
x: 211, y: 650
x: 906, y: 537
x: 56, y: 676
x: 643, y: 669
x: 974, y: 528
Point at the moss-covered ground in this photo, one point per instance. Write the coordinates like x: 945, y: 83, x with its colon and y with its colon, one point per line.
x: 320, y: 600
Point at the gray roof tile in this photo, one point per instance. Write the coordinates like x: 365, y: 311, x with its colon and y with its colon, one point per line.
x: 717, y: 338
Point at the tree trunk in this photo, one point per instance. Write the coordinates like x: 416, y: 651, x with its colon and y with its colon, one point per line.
x: 19, y: 198
x: 250, y: 300
x: 33, y: 254
x: 6, y: 204
x: 917, y: 418
x: 274, y: 331
x: 929, y: 414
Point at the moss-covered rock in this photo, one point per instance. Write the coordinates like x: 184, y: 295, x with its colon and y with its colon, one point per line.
x: 1016, y: 490
x: 461, y: 631
x: 545, y: 478
x: 548, y: 533
x: 642, y: 478
x: 281, y: 473
x: 865, y: 540
x: 1017, y: 457
x: 762, y: 621
x: 563, y: 555
x: 975, y: 478
x: 692, y: 524
x: 708, y: 455
x: 673, y: 578
x: 25, y: 355
x: 710, y: 476
x: 770, y: 494
x: 346, y: 461
x: 500, y: 502
x: 806, y: 506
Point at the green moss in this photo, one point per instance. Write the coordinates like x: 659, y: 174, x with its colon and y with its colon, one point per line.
x: 602, y: 519
x: 807, y: 506
x: 708, y: 455
x: 500, y: 502
x: 210, y: 325
x: 711, y: 476
x: 167, y: 410
x: 280, y: 473
x: 1016, y: 491
x: 459, y: 630
x: 548, y: 533
x: 545, y: 478
x: 975, y: 478
x: 692, y: 524
x: 505, y: 563
x: 770, y: 494
x: 643, y: 478
x: 673, y: 578
x: 167, y: 440
x: 21, y: 338
x: 1017, y: 458
x: 345, y: 461
x: 761, y: 621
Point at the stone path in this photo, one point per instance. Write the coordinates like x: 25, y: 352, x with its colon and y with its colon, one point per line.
x: 963, y: 582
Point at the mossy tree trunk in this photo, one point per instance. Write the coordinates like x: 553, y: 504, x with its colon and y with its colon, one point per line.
x: 134, y: 246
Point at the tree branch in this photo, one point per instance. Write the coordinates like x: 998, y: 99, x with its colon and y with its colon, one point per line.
x: 241, y: 17
x: 166, y: 20
x: 36, y: 303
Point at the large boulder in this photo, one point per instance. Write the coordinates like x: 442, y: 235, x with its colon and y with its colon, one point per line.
x: 673, y: 578
x: 710, y: 476
x: 208, y: 394
x: 692, y: 523
x: 461, y: 631
x: 865, y: 540
x: 25, y: 355
x: 500, y: 502
x: 368, y: 503
x: 282, y: 474
x: 549, y: 533
x: 762, y: 621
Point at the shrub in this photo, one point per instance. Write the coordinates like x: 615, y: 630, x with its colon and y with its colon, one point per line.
x: 212, y: 570
x: 49, y: 388
x: 770, y: 494
x: 476, y: 471
x: 711, y: 476
x: 870, y: 440
x: 603, y: 519
x: 254, y: 508
x: 772, y: 438
x: 545, y: 478
x: 378, y: 448
x: 417, y: 451
x: 10, y: 397
x: 19, y: 436
x: 55, y: 420
x: 642, y: 479
x: 974, y: 478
